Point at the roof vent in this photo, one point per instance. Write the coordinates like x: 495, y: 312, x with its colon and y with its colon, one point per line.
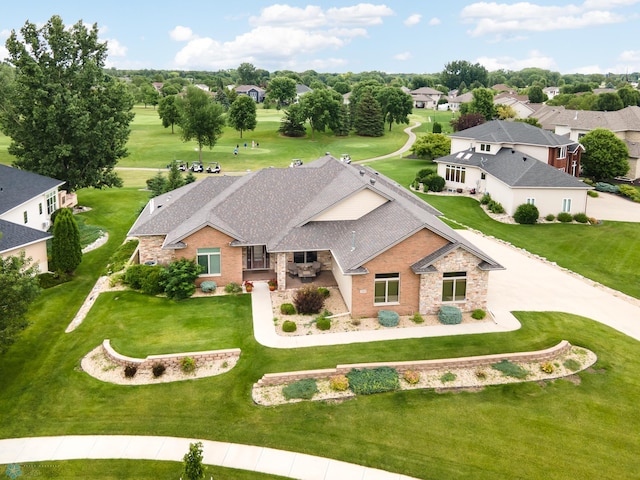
x: 362, y: 173
x: 513, y: 151
x: 372, y: 181
x: 524, y: 159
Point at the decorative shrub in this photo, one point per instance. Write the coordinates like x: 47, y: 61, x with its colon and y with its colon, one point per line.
x: 388, y: 318
x: 526, y: 214
x: 606, y: 187
x: 481, y: 375
x: 593, y: 193
x: 151, y: 279
x: 510, y: 369
x: 433, y: 182
x: 208, y: 287
x: 550, y: 217
x: 572, y: 364
x: 325, y: 292
x: 373, y: 380
x: 449, y: 315
x: 448, y: 377
x: 188, y: 365
x: 478, y: 314
x: 323, y: 323
x: 308, y: 301
x: 495, y: 207
x: 304, y: 389
x: 289, y: 326
x: 411, y: 376
x: 287, y: 309
x: 339, y: 383
x: 179, y: 278
x: 547, y: 367
x: 130, y: 371
x: 629, y: 191
x: 158, y: 369
x: 417, y: 318
x: 486, y: 198
x: 233, y: 288
x: 565, y: 217
x: 133, y: 276
x: 581, y: 218
x: 51, y: 279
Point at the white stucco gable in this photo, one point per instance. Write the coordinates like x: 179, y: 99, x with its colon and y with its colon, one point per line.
x: 353, y: 207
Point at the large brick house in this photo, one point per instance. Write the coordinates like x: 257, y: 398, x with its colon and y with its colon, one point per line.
x: 385, y: 247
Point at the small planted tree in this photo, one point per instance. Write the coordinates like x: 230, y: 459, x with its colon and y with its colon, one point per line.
x: 193, y: 469
x: 66, y: 252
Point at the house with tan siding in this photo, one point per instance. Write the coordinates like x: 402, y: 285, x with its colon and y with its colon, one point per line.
x: 384, y: 247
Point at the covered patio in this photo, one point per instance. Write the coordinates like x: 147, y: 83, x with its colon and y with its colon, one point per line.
x: 324, y: 278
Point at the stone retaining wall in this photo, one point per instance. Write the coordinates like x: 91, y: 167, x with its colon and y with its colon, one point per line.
x: 171, y: 360
x: 421, y: 365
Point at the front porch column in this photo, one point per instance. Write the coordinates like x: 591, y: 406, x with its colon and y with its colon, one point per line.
x: 281, y: 270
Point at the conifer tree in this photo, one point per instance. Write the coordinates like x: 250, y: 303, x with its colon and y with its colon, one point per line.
x: 66, y: 252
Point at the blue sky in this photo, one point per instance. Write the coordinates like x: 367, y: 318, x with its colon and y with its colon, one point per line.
x: 589, y: 36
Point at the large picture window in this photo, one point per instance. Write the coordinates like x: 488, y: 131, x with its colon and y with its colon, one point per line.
x: 455, y: 173
x: 305, y: 257
x: 386, y: 288
x: 209, y: 259
x: 454, y: 286
x: 52, y: 202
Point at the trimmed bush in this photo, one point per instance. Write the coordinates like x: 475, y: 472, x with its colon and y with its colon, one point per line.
x: 133, y: 276
x: 150, y: 282
x: 188, y: 365
x: 495, y: 207
x: 510, y: 369
x: 478, y: 314
x: 550, y: 217
x: 158, y: 369
x: 449, y: 315
x: 130, y: 371
x: 581, y: 218
x: 304, y: 389
x: 308, y: 301
x: 373, y: 380
x: 606, y: 187
x: 325, y: 292
x: 630, y: 192
x: 52, y: 279
x: 387, y: 318
x: 486, y: 198
x: 448, y: 377
x: 323, y: 323
x: 208, y: 287
x: 565, y: 217
x: 433, y: 182
x: 339, y: 383
x: 526, y: 214
x: 411, y: 376
x: 572, y: 364
x: 179, y: 278
x: 593, y: 193
x: 289, y: 326
x: 233, y: 288
x: 547, y: 367
x: 417, y: 318
x: 287, y: 309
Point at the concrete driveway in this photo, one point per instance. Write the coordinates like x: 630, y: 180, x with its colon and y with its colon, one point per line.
x: 532, y: 284
x: 608, y: 206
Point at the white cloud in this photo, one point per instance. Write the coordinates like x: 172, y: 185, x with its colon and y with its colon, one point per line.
x: 181, y: 34
x: 116, y: 49
x: 4, y: 53
x: 492, y: 18
x: 413, y: 20
x: 285, y: 15
x: 535, y: 59
x: 403, y: 56
x: 361, y: 14
x: 434, y: 21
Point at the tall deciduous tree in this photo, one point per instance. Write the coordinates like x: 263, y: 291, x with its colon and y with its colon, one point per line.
x: 536, y: 95
x: 432, y: 145
x: 321, y: 109
x: 169, y: 112
x: 395, y: 105
x: 282, y: 90
x: 65, y: 117
x: 201, y: 119
x: 605, y: 155
x: 242, y: 114
x: 19, y: 287
x: 483, y: 103
x: 609, y: 102
x: 462, y: 71
x: 467, y: 120
x: 66, y: 251
x: 247, y: 74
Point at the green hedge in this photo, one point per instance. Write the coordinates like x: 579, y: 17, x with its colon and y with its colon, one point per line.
x: 373, y: 380
x: 450, y: 315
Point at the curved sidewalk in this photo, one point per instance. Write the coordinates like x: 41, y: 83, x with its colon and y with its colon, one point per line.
x: 229, y: 455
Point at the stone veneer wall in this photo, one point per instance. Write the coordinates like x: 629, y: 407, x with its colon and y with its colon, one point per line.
x: 150, y: 248
x: 171, y: 360
x: 420, y: 365
x: 457, y: 261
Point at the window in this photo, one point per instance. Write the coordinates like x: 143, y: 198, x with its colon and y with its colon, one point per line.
x: 455, y: 173
x: 454, y: 286
x: 40, y: 208
x: 26, y: 217
x: 531, y: 201
x: 52, y: 202
x: 305, y: 257
x: 209, y: 258
x: 386, y: 288
x: 483, y: 176
x: 484, y: 147
x: 562, y: 152
x: 566, y: 205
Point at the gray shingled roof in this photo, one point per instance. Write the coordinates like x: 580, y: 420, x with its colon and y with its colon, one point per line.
x: 501, y: 131
x: 19, y: 186
x: 627, y: 119
x: 515, y: 169
x: 276, y: 207
x: 15, y: 235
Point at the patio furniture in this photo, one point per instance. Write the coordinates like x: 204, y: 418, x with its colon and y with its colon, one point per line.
x: 306, y: 272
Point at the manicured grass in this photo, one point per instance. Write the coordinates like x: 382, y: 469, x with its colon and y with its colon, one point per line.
x: 603, y: 253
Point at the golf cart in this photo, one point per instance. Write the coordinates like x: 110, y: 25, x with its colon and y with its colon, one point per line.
x: 345, y: 158
x: 296, y: 162
x: 197, y: 167
x: 214, y: 167
x: 182, y: 166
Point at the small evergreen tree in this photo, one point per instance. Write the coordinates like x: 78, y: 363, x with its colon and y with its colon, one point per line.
x: 368, y: 121
x: 193, y: 468
x: 342, y: 128
x: 437, y: 127
x: 66, y: 252
x: 175, y: 179
x: 157, y: 184
x: 292, y: 124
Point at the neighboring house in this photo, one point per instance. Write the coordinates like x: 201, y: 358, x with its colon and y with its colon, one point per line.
x: 301, y: 89
x: 551, y: 91
x: 501, y: 87
x: 519, y: 103
x: 489, y: 138
x: 455, y: 102
x: 426, y: 97
x: 253, y: 91
x: 574, y: 124
x: 512, y: 178
x: 27, y: 201
x: 385, y: 247
x: 157, y: 86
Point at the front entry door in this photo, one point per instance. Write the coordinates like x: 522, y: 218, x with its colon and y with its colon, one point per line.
x: 257, y: 258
